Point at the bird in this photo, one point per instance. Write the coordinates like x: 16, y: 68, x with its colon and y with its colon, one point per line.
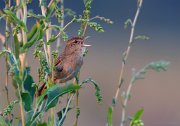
x: 69, y: 62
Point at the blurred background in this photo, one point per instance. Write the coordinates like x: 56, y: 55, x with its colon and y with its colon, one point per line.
x: 158, y: 93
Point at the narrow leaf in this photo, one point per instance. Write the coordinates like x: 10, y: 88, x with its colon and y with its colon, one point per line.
x: 2, y: 122
x: 110, y: 116
x: 51, y: 8
x: 27, y: 101
x: 28, y: 84
x: 15, y: 19
x: 138, y: 114
x: 141, y: 37
x: 54, y: 92
x: 97, y: 88
x: 58, y: 91
x: 16, y: 46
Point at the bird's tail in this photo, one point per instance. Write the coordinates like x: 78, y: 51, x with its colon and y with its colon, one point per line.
x: 43, y: 88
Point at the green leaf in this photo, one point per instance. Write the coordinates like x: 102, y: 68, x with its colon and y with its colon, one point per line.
x: 103, y: 19
x: 31, y: 122
x: 42, y: 124
x: 96, y: 27
x: 69, y: 12
x: 2, y: 53
x: 58, y: 91
x: 27, y: 101
x: 87, y: 4
x: 2, y: 122
x: 127, y: 22
x: 158, y: 65
x: 136, y: 121
x: 16, y: 46
x: 33, y: 36
x: 12, y: 62
x: 54, y: 92
x: 17, y: 79
x: 32, y: 32
x: 138, y: 114
x: 51, y: 8
x: 15, y: 19
x: 97, y: 88
x: 28, y: 83
x: 38, y: 16
x: 110, y: 116
x: 51, y: 40
x: 9, y: 108
x: 64, y: 36
x: 141, y: 37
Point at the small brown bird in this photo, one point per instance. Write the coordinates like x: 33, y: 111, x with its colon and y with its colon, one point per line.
x: 69, y: 61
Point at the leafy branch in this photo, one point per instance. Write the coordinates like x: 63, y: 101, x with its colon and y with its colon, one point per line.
x: 136, y: 75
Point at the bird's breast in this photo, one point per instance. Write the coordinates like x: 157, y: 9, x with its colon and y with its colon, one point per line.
x: 71, y: 67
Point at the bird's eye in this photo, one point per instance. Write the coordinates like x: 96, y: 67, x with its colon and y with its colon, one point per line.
x: 76, y: 41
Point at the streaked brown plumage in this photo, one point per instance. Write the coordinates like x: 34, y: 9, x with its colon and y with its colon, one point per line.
x: 69, y: 61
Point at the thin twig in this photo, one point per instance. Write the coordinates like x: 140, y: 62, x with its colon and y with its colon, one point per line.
x: 123, y: 65
x: 123, y: 117
x: 66, y: 110
x: 43, y: 11
x: 24, y: 34
x: 21, y: 106
x: 22, y: 57
x: 47, y: 49
x: 59, y: 34
x: 6, y: 42
x: 85, y: 29
x: 126, y: 54
x: 62, y: 24
x: 76, y: 81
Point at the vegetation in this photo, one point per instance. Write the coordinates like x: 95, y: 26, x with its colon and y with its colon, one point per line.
x: 17, y: 42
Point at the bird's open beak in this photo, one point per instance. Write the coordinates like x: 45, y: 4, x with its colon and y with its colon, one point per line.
x: 86, y: 45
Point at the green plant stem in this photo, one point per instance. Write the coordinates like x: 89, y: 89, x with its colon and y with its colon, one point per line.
x: 123, y: 64
x: 22, y: 56
x: 21, y: 106
x: 7, y: 35
x: 24, y: 34
x: 124, y: 104
x: 126, y: 53
x: 76, y: 81
x: 59, y: 34
x: 77, y: 108
x: 6, y: 45
x: 62, y: 24
x: 47, y: 48
x: 43, y: 10
x: 66, y: 110
x: 85, y: 29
